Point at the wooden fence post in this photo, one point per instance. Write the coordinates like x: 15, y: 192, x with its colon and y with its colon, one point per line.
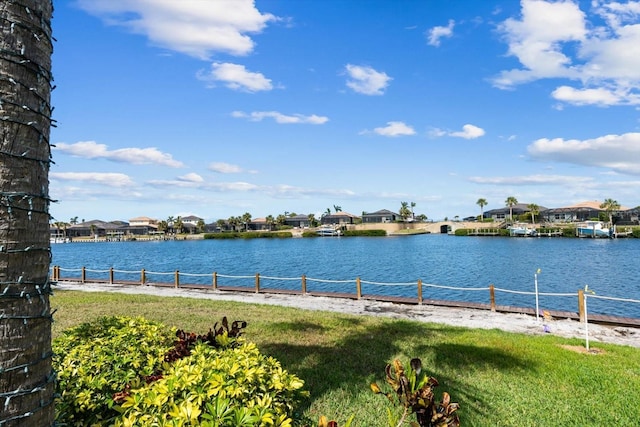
x: 257, y: 283
x: 304, y: 284
x: 143, y: 277
x: 419, y: 291
x: 215, y: 280
x: 358, y: 288
x: 111, y: 276
x: 581, y: 304
x: 177, y: 279
x: 492, y: 294
x: 83, y: 276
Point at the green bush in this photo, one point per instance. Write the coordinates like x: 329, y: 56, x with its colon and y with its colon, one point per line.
x: 365, y: 233
x: 461, y: 232
x: 98, y: 359
x: 121, y: 371
x: 230, y: 387
x: 310, y: 234
x: 223, y: 235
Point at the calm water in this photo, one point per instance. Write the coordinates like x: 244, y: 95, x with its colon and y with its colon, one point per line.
x: 610, y: 267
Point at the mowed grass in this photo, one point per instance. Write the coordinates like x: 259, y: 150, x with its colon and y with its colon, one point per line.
x: 499, y: 378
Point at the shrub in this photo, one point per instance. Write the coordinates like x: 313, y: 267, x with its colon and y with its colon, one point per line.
x: 413, y: 390
x: 123, y: 371
x: 95, y: 360
x: 461, y: 232
x: 229, y: 387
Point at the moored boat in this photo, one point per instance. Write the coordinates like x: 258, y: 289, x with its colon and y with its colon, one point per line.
x: 592, y: 229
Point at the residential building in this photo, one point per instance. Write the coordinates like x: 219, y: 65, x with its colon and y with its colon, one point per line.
x: 381, y: 216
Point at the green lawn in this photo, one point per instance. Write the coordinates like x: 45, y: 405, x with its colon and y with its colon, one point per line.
x: 499, y: 378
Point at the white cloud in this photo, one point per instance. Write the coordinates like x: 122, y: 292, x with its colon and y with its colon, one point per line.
x: 221, y: 167
x: 258, y: 116
x: 436, y: 33
x: 235, y: 77
x: 197, y: 28
x: 191, y: 177
x: 136, y: 156
x: 620, y: 153
x: 469, y: 132
x: 208, y: 186
x: 562, y: 180
x: 109, y: 179
x: 366, y: 80
x: 555, y: 40
x: 394, y: 129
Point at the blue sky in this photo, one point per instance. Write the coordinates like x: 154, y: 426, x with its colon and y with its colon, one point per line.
x: 215, y: 108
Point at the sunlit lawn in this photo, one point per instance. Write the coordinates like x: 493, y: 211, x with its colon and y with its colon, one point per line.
x: 499, y: 378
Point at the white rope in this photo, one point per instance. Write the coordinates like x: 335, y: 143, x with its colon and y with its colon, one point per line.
x: 69, y: 269
x: 455, y: 288
x: 508, y: 291
x: 309, y: 279
x: 158, y: 272
x: 127, y: 271
x: 388, y: 284
x: 281, y: 278
x: 196, y: 274
x: 96, y: 271
x: 613, y: 298
x: 547, y: 294
x: 236, y: 277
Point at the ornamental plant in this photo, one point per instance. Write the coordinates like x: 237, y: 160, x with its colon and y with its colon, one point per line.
x: 121, y: 371
x: 413, y: 390
x: 216, y: 387
x: 95, y: 360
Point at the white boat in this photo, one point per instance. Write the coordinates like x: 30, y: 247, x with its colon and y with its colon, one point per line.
x: 521, y: 230
x: 328, y: 231
x: 59, y: 240
x: 593, y: 229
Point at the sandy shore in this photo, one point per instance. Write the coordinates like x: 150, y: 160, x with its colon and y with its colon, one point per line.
x: 470, y: 318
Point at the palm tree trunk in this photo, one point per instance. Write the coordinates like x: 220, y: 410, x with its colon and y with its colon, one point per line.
x: 26, y: 375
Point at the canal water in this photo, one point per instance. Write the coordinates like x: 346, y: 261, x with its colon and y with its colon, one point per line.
x: 385, y: 264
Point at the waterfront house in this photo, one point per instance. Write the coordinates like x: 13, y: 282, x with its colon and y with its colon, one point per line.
x: 260, y: 224
x: 582, y: 211
x: 142, y: 225
x: 99, y: 228
x: 339, y: 218
x: 297, y: 221
x: 503, y: 214
x: 381, y: 216
x: 190, y: 223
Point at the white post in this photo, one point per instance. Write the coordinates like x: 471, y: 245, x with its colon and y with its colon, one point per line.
x: 586, y: 316
x: 535, y: 280
x: 586, y: 320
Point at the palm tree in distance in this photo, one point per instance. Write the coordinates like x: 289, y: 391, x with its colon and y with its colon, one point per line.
x: 179, y: 224
x: 534, y: 210
x: 74, y: 220
x: 511, y: 202
x: 610, y: 206
x: 270, y: 221
x: 413, y: 215
x: 405, y: 212
x: 482, y: 203
x: 246, y: 219
x: 337, y: 208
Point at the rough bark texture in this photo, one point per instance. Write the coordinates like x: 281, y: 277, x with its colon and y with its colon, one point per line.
x: 26, y: 376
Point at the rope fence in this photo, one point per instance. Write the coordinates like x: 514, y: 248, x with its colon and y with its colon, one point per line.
x: 353, y: 289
